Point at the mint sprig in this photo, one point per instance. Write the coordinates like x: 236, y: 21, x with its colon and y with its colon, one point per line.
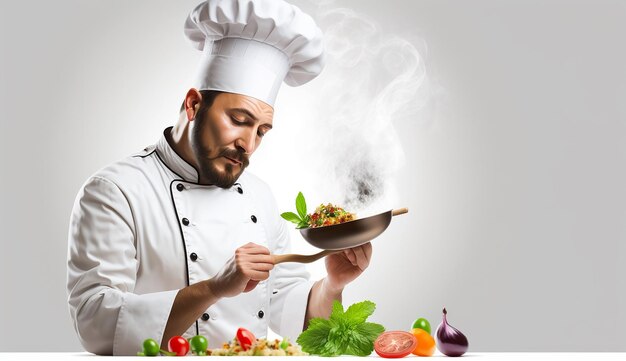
x: 302, y: 218
x: 344, y: 333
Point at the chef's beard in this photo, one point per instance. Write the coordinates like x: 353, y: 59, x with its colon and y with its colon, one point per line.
x: 208, y: 170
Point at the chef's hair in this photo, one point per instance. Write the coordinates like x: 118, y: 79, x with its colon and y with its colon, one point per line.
x: 208, y: 96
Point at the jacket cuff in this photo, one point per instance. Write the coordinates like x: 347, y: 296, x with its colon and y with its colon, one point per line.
x: 292, y: 318
x: 141, y: 317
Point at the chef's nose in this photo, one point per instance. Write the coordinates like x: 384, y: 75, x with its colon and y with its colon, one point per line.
x: 246, y: 142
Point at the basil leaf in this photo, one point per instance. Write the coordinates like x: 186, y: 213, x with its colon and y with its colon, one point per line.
x: 344, y: 333
x: 291, y: 217
x: 336, y: 343
x: 301, y: 205
x: 315, y: 337
x: 358, y: 345
x: 363, y: 337
x: 331, y: 348
x: 359, y: 312
x: 337, y: 313
x: 370, y: 330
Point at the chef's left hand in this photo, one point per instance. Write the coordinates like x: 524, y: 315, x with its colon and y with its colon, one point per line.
x: 344, y: 267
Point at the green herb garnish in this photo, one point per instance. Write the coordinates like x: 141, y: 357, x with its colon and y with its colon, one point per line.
x: 344, y: 333
x: 301, y: 219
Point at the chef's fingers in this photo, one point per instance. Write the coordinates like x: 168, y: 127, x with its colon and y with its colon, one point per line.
x: 367, y: 248
x: 258, y: 275
x: 351, y: 256
x: 257, y: 258
x: 361, y: 259
x: 253, y: 248
x: 253, y: 254
x: 261, y: 266
x: 250, y: 286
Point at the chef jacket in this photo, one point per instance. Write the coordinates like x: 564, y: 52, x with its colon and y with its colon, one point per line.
x: 143, y: 228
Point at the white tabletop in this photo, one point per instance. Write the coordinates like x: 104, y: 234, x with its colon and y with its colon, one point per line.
x: 499, y: 356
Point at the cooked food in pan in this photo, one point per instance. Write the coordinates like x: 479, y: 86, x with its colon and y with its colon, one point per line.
x: 324, y: 215
x: 328, y: 214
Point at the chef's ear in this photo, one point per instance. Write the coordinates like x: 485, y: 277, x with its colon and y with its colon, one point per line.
x: 192, y: 101
x: 196, y: 106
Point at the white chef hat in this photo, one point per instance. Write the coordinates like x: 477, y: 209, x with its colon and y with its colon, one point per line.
x: 251, y: 46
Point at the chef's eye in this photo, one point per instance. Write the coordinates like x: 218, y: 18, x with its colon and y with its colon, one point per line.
x: 236, y: 120
x: 261, y: 132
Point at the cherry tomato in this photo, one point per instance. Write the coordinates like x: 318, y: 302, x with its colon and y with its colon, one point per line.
x: 395, y: 344
x: 245, y: 338
x: 425, y: 343
x: 199, y: 345
x: 150, y: 348
x: 178, y: 345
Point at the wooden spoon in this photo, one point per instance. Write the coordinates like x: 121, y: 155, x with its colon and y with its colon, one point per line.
x: 301, y: 258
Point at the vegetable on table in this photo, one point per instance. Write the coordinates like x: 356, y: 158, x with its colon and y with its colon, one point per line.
x: 150, y: 348
x: 259, y: 347
x: 423, y: 324
x: 395, y: 344
x: 178, y: 345
x: 244, y: 344
x: 425, y: 343
x: 199, y: 345
x: 344, y: 333
x: 450, y: 341
x: 245, y: 338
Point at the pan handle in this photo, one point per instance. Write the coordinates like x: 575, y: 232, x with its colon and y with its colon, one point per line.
x: 300, y: 258
x: 399, y: 211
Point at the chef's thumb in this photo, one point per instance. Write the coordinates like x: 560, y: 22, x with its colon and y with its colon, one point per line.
x: 250, y: 286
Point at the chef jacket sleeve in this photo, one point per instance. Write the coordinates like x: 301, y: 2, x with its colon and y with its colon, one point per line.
x: 291, y: 287
x: 108, y: 317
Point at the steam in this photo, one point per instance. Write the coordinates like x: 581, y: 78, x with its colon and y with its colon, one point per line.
x: 371, y: 81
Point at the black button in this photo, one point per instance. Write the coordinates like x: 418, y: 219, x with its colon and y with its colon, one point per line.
x: 180, y: 187
x: 205, y: 317
x: 240, y: 190
x: 185, y: 221
x: 193, y: 256
x: 261, y: 314
x: 253, y: 218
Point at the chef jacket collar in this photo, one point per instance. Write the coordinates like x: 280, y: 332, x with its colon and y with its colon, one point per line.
x: 173, y: 161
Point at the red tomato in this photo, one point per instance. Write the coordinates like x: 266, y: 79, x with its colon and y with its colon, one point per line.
x: 395, y: 344
x: 178, y: 345
x: 245, y: 338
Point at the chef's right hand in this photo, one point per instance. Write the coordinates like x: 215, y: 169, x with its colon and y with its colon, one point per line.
x: 251, y: 264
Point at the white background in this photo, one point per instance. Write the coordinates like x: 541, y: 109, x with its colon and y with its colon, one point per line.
x: 513, y: 169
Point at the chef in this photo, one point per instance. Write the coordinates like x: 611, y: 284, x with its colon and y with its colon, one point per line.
x: 177, y: 239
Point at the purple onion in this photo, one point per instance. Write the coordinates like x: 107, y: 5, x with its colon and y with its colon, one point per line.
x: 450, y: 341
